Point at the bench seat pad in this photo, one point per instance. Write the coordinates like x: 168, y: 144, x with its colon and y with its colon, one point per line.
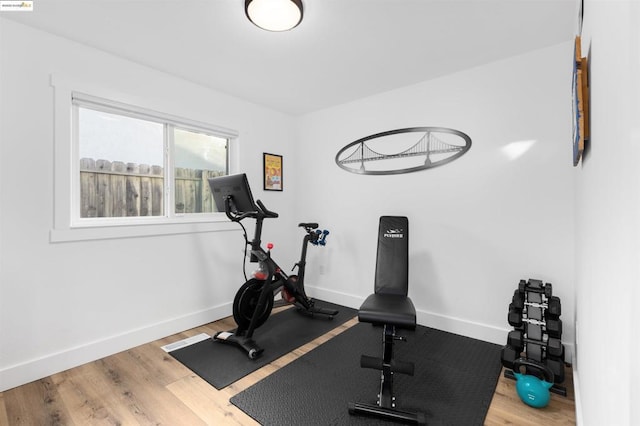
x: 388, y: 309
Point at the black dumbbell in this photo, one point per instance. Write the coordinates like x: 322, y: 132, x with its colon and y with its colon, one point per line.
x: 515, y: 316
x: 548, y: 290
x: 518, y: 300
x: 508, y: 355
x: 555, y: 348
x: 553, y: 325
x: 535, y: 286
x: 553, y: 306
x: 515, y: 339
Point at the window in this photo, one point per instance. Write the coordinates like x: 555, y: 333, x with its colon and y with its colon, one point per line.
x: 121, y: 165
x: 123, y: 168
x: 135, y: 163
x: 197, y: 157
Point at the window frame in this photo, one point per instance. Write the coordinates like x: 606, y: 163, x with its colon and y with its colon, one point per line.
x: 69, y: 96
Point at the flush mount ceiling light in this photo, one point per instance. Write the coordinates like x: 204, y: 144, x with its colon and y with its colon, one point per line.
x: 274, y: 15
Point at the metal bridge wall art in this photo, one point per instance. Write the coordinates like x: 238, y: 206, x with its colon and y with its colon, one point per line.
x: 403, y: 151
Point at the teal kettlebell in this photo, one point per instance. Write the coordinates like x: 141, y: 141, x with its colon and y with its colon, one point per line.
x: 531, y: 390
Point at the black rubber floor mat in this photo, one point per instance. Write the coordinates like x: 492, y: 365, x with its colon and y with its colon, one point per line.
x: 455, y: 378
x: 222, y: 364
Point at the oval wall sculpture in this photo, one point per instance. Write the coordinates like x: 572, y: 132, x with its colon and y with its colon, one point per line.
x: 403, y: 151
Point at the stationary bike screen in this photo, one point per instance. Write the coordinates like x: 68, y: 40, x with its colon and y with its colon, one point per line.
x: 236, y: 189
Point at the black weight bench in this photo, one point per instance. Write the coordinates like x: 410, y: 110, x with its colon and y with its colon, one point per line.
x: 390, y: 307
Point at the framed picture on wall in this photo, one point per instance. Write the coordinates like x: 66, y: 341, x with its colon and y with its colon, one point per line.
x: 272, y: 171
x: 580, y: 98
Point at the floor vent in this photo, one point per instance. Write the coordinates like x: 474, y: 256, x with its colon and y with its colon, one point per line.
x: 185, y: 342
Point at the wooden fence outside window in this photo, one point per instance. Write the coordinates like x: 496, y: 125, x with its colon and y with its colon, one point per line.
x: 118, y: 189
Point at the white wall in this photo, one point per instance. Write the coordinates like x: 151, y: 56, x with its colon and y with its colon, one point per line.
x: 477, y: 225
x: 607, y: 227
x: 64, y: 304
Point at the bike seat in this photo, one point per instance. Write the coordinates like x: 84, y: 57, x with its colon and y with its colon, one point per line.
x: 311, y: 225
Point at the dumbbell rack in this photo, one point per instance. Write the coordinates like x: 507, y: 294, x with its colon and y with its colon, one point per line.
x: 534, y: 313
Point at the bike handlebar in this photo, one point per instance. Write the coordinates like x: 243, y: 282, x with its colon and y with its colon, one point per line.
x: 261, y: 212
x: 266, y: 212
x: 235, y: 216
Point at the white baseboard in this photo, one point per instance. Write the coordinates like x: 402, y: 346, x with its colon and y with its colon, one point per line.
x: 344, y: 299
x: 576, y: 396
x: 463, y: 327
x: 475, y: 330
x: 35, y: 369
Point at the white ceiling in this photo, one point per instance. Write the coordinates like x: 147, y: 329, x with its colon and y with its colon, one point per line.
x: 343, y: 50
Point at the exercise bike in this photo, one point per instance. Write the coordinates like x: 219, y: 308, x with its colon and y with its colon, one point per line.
x: 254, y: 300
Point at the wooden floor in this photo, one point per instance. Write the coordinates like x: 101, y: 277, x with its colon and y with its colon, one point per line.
x: 146, y: 386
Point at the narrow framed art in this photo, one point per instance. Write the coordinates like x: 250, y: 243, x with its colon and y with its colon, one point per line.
x: 581, y: 102
x: 272, y: 172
